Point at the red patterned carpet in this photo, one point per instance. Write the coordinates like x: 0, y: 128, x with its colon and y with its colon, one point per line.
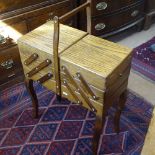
x: 66, y: 129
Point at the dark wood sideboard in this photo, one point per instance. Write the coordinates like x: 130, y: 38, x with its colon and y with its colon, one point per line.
x: 150, y: 13
x: 17, y: 18
x: 112, y: 16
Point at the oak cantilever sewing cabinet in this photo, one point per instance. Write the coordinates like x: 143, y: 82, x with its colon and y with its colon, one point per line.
x: 85, y: 69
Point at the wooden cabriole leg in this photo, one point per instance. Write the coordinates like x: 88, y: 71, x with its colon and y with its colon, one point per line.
x: 100, y: 120
x: 97, y: 133
x: 99, y: 125
x: 32, y: 93
x: 59, y: 98
x: 120, y: 107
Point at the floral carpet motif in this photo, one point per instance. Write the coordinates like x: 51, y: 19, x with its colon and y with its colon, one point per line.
x: 143, y: 61
x: 65, y: 128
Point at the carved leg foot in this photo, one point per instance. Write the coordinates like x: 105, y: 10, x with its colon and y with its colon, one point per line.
x: 59, y: 98
x: 30, y: 88
x: 99, y: 124
x: 121, y: 104
x: 98, y: 132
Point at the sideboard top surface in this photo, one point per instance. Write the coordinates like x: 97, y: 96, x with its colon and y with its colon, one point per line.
x: 11, y: 5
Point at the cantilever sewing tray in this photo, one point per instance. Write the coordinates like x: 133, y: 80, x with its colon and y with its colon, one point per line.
x: 91, y: 68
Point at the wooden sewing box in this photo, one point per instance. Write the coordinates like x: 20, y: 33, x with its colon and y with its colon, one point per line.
x: 89, y: 70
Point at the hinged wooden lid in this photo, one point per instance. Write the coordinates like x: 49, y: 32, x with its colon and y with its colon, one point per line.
x: 96, y: 59
x: 42, y: 37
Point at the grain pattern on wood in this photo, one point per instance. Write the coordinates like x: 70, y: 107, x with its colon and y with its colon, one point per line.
x: 96, y: 58
x: 42, y: 38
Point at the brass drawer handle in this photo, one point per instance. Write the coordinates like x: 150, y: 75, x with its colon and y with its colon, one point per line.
x: 135, y: 13
x: 8, y: 64
x: 101, y: 6
x: 100, y: 26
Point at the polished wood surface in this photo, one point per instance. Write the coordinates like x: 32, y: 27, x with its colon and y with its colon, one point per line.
x: 41, y: 39
x: 30, y: 17
x: 96, y: 58
x: 11, y: 5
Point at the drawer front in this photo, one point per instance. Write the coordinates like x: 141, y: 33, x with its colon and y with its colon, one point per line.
x: 48, y: 13
x: 104, y: 24
x: 109, y: 6
x: 150, y: 5
x: 10, y: 64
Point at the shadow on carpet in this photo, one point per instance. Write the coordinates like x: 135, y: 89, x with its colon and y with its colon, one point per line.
x: 66, y: 128
x: 143, y: 61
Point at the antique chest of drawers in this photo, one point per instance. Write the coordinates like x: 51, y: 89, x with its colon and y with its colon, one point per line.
x: 150, y: 13
x: 93, y: 72
x: 110, y: 17
x: 21, y: 16
x: 10, y: 63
